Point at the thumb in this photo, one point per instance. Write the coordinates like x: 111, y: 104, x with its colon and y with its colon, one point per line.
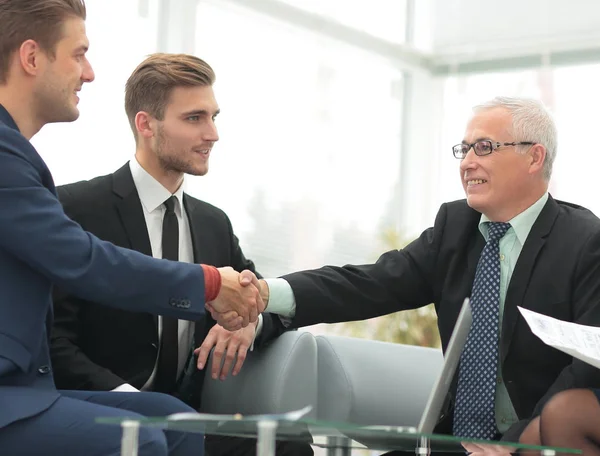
x: 247, y: 277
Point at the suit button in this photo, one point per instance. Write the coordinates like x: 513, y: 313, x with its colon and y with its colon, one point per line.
x: 43, y: 370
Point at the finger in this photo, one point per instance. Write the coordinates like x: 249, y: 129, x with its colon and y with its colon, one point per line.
x: 204, y: 350
x: 470, y: 447
x: 209, y: 307
x: 227, y: 317
x: 229, y: 357
x: 241, y: 357
x: 247, y: 277
x: 231, y: 324
x: 218, y: 354
x: 245, y: 321
x: 260, y: 304
x: 253, y: 309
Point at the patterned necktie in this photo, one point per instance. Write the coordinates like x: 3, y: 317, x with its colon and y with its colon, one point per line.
x: 166, y: 369
x: 474, y: 413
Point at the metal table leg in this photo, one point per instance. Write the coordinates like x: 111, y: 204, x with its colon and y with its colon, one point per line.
x: 265, y: 443
x: 423, y: 448
x: 130, y: 438
x: 338, y: 446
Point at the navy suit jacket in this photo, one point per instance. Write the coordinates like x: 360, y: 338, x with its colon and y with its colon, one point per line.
x: 39, y: 247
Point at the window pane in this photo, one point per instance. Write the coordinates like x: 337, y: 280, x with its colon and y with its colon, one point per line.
x: 101, y: 141
x: 381, y: 18
x: 309, y: 147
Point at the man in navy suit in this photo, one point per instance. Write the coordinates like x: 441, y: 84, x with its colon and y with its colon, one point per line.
x: 43, y: 65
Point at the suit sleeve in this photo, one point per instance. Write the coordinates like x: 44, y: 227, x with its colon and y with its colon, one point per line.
x: 7, y: 367
x: 36, y: 231
x: 72, y: 368
x: 586, y: 311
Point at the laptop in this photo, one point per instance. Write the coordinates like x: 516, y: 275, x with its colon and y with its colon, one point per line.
x: 440, y: 389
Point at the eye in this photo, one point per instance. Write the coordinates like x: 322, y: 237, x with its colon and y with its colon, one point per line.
x: 193, y: 118
x: 483, y: 147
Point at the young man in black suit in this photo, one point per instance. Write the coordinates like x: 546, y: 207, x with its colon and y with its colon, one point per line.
x: 172, y: 109
x: 528, y: 250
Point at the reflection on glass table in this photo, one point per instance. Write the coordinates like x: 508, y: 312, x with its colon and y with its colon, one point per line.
x: 338, y: 436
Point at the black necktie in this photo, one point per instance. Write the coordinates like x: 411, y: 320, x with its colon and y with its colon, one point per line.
x: 166, y: 371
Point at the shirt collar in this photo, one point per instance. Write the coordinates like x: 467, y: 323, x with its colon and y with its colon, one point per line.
x: 151, y: 192
x: 520, y: 224
x: 7, y: 119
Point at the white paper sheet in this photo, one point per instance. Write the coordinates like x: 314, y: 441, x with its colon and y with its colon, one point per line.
x: 579, y: 341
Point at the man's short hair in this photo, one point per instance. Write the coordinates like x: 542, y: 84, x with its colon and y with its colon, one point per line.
x: 531, y: 121
x: 150, y: 85
x: 38, y: 20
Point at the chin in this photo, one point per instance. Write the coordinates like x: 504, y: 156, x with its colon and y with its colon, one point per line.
x: 69, y: 116
x: 197, y: 171
x: 475, y: 202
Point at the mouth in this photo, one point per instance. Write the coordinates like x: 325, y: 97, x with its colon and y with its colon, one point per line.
x: 204, y: 152
x: 473, y: 182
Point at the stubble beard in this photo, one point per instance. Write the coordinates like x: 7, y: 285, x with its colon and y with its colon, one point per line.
x: 172, y: 161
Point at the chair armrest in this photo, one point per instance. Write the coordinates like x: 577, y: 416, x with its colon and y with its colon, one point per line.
x: 374, y: 383
x: 275, y: 379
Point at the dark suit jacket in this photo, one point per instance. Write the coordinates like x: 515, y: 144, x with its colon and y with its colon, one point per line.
x: 557, y: 274
x: 40, y: 246
x: 97, y: 348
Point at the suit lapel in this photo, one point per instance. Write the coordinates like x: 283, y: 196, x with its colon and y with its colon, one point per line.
x: 522, y: 273
x: 130, y: 211
x: 203, y: 254
x: 201, y: 243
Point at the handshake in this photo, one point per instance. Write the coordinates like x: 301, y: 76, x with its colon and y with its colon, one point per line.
x: 241, y: 299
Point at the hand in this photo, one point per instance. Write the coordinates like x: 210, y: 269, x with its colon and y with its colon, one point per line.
x: 236, y: 305
x: 247, y: 278
x: 487, y: 449
x: 226, y: 343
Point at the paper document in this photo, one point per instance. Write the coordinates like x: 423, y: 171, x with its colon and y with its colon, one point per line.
x: 294, y: 415
x: 579, y: 341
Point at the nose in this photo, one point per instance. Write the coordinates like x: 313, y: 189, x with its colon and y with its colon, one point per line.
x: 470, y: 160
x: 211, y: 133
x: 88, y: 74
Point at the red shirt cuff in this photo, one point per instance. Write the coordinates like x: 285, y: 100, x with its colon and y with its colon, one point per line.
x: 212, y: 282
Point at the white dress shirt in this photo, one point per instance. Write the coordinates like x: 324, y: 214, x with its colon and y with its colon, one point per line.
x: 152, y: 196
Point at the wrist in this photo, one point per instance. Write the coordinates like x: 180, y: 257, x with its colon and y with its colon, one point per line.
x: 212, y: 282
x: 264, y: 292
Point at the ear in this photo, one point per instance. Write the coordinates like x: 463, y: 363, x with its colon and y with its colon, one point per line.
x: 537, y: 158
x: 145, y: 124
x: 31, y: 57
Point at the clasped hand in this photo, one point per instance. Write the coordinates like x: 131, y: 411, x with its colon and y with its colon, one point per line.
x: 239, y: 301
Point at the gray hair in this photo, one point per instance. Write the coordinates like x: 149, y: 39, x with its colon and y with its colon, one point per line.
x: 531, y: 121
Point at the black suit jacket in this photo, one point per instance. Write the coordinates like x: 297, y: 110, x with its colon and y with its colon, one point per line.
x: 557, y: 274
x: 94, y: 347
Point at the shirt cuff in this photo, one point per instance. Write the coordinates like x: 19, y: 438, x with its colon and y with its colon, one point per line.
x: 259, y: 327
x: 126, y: 388
x: 281, y: 298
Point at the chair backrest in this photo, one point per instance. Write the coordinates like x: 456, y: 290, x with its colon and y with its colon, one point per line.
x: 275, y: 379
x: 374, y: 383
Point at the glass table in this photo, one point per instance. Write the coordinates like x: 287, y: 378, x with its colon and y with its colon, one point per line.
x: 338, y: 438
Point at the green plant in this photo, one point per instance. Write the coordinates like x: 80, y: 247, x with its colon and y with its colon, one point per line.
x: 412, y: 327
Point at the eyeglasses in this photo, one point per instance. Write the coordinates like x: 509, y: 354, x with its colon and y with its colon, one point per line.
x: 484, y: 147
